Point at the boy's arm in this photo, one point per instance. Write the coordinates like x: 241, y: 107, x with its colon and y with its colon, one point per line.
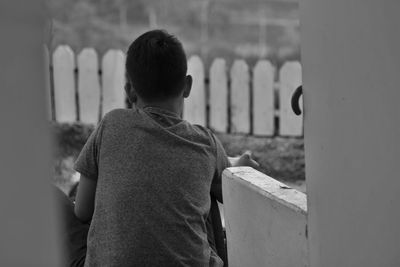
x: 223, y: 162
x: 87, y: 165
x: 84, y: 201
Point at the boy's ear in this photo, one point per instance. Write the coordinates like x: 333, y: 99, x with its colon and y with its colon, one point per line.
x: 130, y: 93
x: 188, y: 86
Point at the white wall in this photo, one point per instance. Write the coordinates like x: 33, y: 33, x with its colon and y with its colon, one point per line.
x: 27, y: 220
x: 351, y: 75
x: 265, y: 220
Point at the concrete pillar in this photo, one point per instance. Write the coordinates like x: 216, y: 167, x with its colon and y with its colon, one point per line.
x: 28, y: 222
x: 351, y: 78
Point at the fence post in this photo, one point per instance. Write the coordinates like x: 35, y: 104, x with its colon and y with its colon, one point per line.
x: 47, y: 83
x: 240, y: 97
x: 290, y: 78
x: 88, y: 86
x: 263, y: 98
x: 195, y: 104
x: 219, y: 96
x: 113, y: 80
x: 64, y: 84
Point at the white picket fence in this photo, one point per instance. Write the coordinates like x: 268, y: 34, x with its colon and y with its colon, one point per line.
x: 236, y: 100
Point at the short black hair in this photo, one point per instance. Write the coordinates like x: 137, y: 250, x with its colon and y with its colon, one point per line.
x: 156, y: 65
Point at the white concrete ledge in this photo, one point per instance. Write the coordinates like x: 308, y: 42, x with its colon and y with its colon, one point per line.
x: 269, y: 187
x: 265, y: 220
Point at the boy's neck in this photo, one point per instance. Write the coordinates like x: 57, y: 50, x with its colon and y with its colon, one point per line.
x: 172, y: 105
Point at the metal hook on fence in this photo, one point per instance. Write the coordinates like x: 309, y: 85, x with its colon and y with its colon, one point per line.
x: 295, y: 100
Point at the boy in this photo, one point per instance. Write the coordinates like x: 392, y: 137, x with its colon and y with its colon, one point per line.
x: 146, y: 174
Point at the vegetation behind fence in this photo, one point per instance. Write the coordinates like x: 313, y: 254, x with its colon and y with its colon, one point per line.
x: 239, y: 99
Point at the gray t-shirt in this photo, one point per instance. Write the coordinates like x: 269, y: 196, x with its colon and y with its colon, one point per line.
x: 154, y: 175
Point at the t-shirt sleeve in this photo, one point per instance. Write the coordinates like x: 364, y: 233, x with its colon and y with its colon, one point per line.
x: 87, y: 161
x: 222, y: 164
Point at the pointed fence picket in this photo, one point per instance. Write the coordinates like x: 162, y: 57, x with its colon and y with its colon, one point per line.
x: 64, y: 85
x: 240, y: 97
x: 113, y: 80
x: 239, y: 100
x: 218, y: 96
x: 263, y: 98
x: 290, y: 78
x: 195, y: 105
x: 88, y: 86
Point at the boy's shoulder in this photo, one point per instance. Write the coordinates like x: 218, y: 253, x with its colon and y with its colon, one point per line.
x: 201, y: 129
x: 115, y: 113
x: 206, y: 132
x: 118, y: 115
x: 121, y: 116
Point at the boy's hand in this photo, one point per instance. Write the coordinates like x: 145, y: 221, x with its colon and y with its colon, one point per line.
x: 244, y: 160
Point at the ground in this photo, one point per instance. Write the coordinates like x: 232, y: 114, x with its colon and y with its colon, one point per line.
x: 280, y: 158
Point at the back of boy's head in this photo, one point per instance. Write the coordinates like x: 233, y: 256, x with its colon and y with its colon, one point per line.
x: 156, y: 65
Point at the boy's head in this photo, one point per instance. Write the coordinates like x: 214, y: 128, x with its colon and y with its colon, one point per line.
x: 156, y: 67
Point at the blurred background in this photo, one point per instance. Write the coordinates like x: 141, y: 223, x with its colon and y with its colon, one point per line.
x: 250, y: 29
